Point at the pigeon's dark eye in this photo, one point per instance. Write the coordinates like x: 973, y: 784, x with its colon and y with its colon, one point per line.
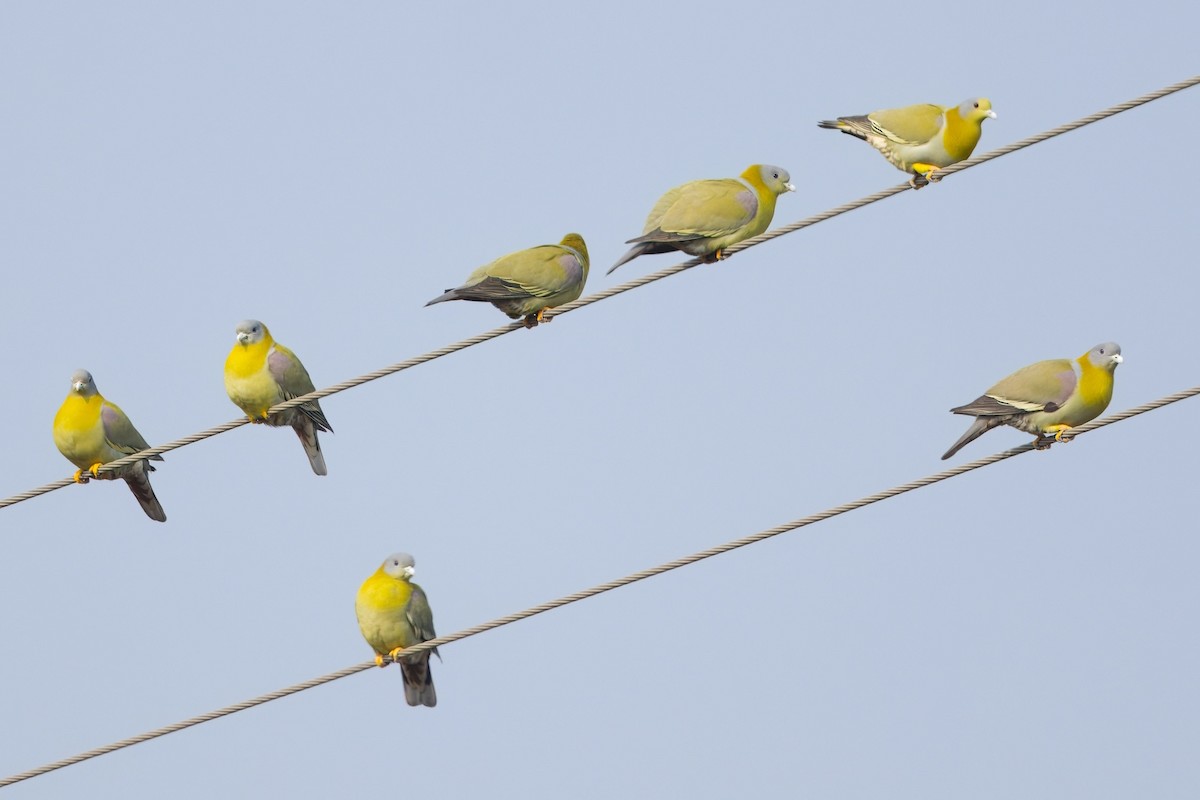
x: 977, y: 105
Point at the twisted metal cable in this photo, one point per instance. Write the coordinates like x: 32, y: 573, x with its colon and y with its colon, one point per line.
x: 615, y: 290
x: 599, y: 589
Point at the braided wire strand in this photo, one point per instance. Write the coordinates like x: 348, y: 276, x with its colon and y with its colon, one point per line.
x: 585, y: 594
x: 616, y: 290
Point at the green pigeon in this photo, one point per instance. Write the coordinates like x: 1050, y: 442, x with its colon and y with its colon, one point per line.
x: 1049, y: 397
x: 393, y: 614
x: 526, y: 283
x: 703, y: 218
x: 923, y: 138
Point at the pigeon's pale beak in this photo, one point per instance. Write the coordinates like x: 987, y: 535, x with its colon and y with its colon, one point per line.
x: 1117, y: 358
x: 77, y: 386
x: 789, y: 187
x: 243, y: 338
x: 991, y: 114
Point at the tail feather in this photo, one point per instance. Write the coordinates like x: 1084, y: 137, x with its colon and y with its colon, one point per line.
x: 307, y: 433
x: 489, y: 290
x: 139, y: 483
x: 449, y: 294
x: 978, y: 428
x: 418, y: 681
x: 851, y: 126
x: 637, y: 250
x: 313, y: 412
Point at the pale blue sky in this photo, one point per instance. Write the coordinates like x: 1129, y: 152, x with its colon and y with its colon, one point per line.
x: 1024, y: 631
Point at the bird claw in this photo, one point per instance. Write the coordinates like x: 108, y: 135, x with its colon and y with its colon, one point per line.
x: 923, y: 175
x: 1063, y: 435
x: 532, y: 320
x: 394, y: 655
x: 1046, y: 438
x: 379, y: 660
x: 78, y: 477
x: 917, y: 181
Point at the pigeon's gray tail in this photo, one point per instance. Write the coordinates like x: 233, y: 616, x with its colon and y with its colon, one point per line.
x: 978, y: 428
x: 138, y: 482
x: 418, y: 680
x: 307, y: 432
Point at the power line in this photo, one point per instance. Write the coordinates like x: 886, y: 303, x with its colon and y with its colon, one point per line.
x: 599, y: 589
x: 616, y: 290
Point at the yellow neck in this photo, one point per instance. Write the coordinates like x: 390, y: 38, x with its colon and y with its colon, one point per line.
x: 753, y: 176
x: 961, y: 134
x: 1095, y: 383
x: 766, y: 206
x: 80, y: 408
x: 384, y: 592
x: 245, y: 360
